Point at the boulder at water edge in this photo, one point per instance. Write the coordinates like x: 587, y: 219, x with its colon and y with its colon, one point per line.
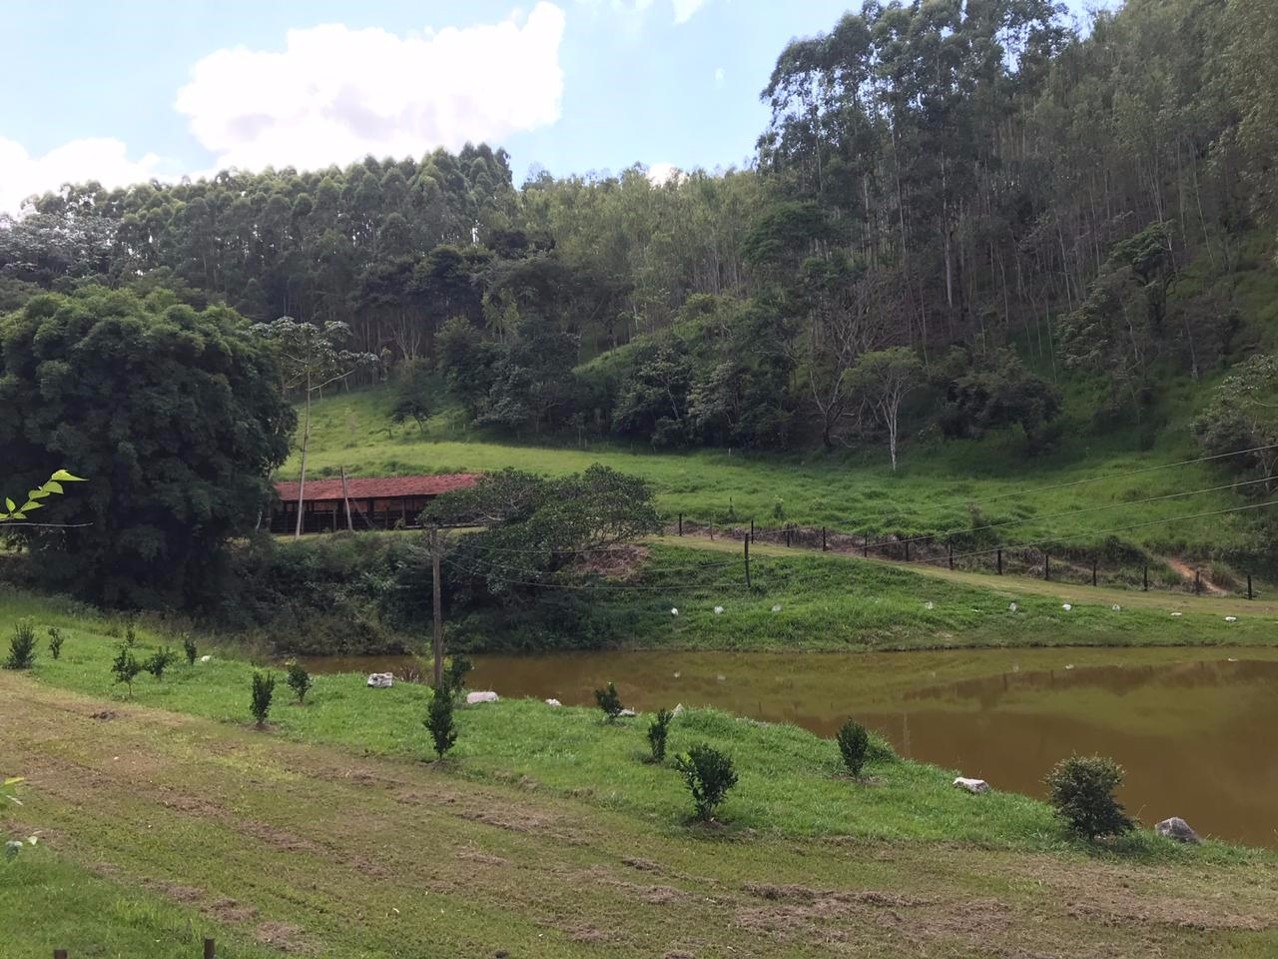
x: 626, y: 713
x: 1176, y: 828
x: 381, y: 680
x: 972, y: 785
x: 553, y: 702
x: 484, y: 696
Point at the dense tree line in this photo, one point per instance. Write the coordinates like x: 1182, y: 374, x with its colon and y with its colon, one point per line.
x: 972, y: 181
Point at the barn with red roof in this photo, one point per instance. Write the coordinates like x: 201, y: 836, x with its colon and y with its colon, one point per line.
x: 384, y: 502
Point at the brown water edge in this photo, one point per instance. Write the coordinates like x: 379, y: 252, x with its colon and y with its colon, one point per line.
x: 1196, y: 729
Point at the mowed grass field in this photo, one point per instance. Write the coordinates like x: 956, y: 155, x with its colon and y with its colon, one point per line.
x: 939, y: 487
x: 167, y: 817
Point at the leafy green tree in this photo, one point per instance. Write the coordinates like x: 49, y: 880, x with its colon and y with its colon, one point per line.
x: 609, y: 702
x: 854, y: 746
x: 1243, y: 416
x: 263, y: 691
x: 658, y: 733
x: 709, y: 774
x: 997, y: 392
x: 174, y: 413
x: 1081, y: 789
x: 883, y: 380
x: 125, y: 667
x: 299, y: 680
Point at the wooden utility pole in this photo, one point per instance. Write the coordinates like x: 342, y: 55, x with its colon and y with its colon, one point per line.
x: 438, y: 607
x: 346, y: 498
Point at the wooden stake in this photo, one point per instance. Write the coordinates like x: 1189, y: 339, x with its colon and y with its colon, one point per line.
x: 746, y: 544
x: 210, y: 949
x: 1250, y: 595
x: 1047, y: 566
x: 951, y: 546
x: 350, y: 526
x: 680, y: 524
x: 823, y: 547
x: 1147, y: 577
x: 1000, y: 562
x: 1093, y: 572
x: 438, y: 607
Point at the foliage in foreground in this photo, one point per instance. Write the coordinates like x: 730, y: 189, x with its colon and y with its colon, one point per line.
x: 263, y: 691
x: 22, y: 646
x: 854, y: 746
x: 299, y: 680
x: 609, y: 701
x: 658, y: 733
x: 439, y: 720
x: 1081, y: 789
x: 709, y: 774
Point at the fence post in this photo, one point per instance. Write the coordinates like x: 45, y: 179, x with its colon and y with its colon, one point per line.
x: 951, y: 546
x: 746, y: 545
x: 823, y: 539
x: 865, y: 545
x: 1000, y: 561
x: 752, y: 531
x: 1198, y: 582
x: 1147, y: 577
x: 210, y: 949
x: 1047, y: 566
x: 680, y: 524
x: 1249, y: 592
x: 907, y: 549
x: 1093, y: 571
x: 59, y: 954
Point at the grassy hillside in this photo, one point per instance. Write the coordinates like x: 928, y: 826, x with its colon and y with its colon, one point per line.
x: 546, y: 835
x: 939, y: 487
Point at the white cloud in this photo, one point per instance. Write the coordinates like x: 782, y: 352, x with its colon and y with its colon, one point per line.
x: 103, y: 159
x: 718, y: 76
x: 334, y: 94
x: 684, y: 9
x: 659, y: 174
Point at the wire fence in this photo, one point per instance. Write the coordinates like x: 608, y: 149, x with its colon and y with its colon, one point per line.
x: 1054, y: 561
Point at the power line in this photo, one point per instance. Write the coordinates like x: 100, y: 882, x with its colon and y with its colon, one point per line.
x: 1135, y: 472
x: 1106, y: 532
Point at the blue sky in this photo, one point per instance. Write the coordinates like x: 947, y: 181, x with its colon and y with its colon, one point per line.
x: 124, y: 90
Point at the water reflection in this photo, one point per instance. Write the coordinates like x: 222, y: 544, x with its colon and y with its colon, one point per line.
x: 1196, y: 729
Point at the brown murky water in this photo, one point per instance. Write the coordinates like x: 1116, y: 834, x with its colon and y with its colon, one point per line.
x: 1197, y: 730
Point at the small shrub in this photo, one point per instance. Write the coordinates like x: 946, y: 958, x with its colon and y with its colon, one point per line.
x: 159, y: 661
x: 1081, y: 789
x: 609, y: 702
x: 658, y: 731
x: 190, y: 649
x: 709, y: 775
x: 22, y: 646
x: 455, y: 672
x: 263, y: 690
x: 854, y: 746
x: 299, y: 680
x: 130, y: 635
x: 439, y: 720
x: 125, y: 667
x: 55, y: 642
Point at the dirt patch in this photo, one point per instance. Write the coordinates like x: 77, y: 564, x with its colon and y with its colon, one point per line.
x: 283, y: 936
x: 483, y: 858
x: 103, y: 715
x: 172, y: 890
x: 1180, y: 913
x: 1187, y: 573
x: 585, y: 933
x: 869, y: 897
x: 643, y: 865
x: 228, y: 910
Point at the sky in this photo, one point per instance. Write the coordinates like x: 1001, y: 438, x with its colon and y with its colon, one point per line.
x: 125, y: 91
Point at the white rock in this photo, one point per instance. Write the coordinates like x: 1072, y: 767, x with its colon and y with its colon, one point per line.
x: 1066, y: 606
x: 929, y: 605
x: 1070, y: 666
x: 1178, y: 614
x: 977, y: 786
x: 718, y: 610
x: 483, y: 696
x: 1116, y: 608
x: 677, y: 711
x: 206, y: 659
x: 627, y: 713
x: 1231, y: 619
x: 1232, y: 659
x: 381, y: 680
x: 674, y: 611
x: 777, y: 608
x: 722, y: 678
x: 553, y: 702
x: 1176, y: 828
x: 677, y: 674
x: 1012, y: 607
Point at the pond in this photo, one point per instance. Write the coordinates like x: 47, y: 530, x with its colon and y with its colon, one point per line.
x: 1196, y: 729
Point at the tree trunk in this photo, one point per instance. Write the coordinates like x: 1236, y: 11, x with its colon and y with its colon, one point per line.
x: 306, y: 442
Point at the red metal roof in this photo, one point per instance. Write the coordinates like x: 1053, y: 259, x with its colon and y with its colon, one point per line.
x: 380, y: 487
